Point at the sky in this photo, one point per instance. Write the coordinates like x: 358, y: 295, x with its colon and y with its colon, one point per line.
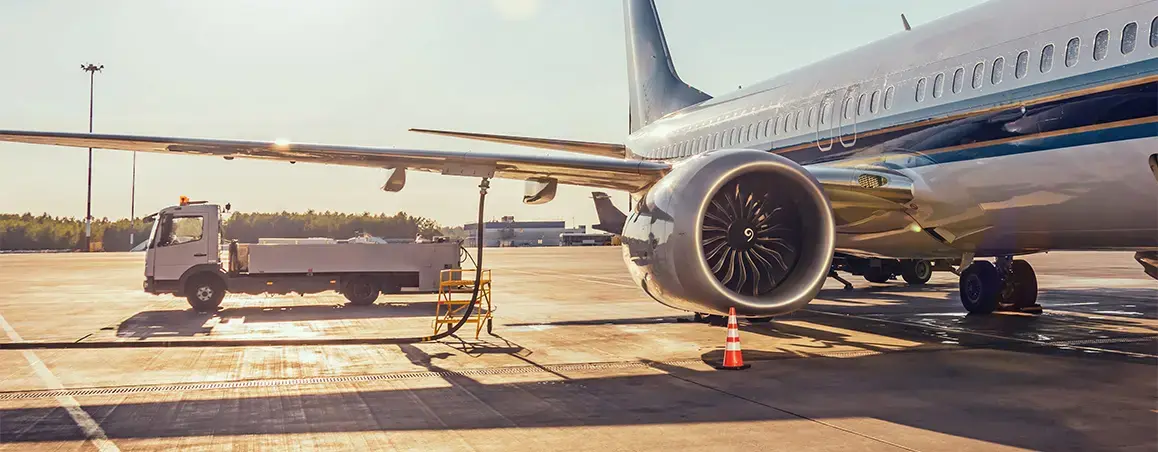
x: 361, y: 72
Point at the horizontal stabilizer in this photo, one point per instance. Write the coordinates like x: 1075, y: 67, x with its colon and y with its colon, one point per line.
x: 582, y: 147
x: 611, y: 219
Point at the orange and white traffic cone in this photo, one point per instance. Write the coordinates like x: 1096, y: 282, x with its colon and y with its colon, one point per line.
x: 733, y: 356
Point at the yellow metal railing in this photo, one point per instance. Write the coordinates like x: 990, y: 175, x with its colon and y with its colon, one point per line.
x: 448, y: 311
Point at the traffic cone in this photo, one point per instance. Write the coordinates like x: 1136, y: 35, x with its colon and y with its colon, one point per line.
x: 733, y: 357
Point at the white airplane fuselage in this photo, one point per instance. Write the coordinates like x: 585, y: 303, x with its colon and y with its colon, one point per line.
x: 1025, y: 126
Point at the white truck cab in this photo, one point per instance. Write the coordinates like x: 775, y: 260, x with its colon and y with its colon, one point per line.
x: 186, y: 256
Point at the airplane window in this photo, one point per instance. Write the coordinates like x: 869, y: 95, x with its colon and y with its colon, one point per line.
x: 958, y: 80
x: 770, y: 129
x: 978, y: 75
x: 796, y: 126
x: 1129, y: 37
x: 787, y: 118
x: 862, y: 104
x: 1072, y: 49
x: 749, y: 136
x: 727, y: 138
x: 760, y: 130
x: 875, y: 101
x: 921, y: 89
x: 938, y: 85
x: 1101, y: 43
x: 1022, y: 64
x: 825, y: 112
x: 848, y: 108
x: 998, y: 69
x: 719, y: 139
x: 811, y: 116
x: 1046, y: 58
x: 736, y: 131
x: 1154, y: 33
x: 889, y: 98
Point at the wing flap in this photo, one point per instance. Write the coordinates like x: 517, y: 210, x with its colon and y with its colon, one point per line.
x: 592, y: 171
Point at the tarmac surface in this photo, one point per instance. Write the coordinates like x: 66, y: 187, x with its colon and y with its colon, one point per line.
x: 580, y: 359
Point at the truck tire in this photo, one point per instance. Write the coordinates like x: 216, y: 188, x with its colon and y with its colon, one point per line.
x: 877, y: 275
x: 362, y: 290
x: 205, y: 292
x: 917, y: 272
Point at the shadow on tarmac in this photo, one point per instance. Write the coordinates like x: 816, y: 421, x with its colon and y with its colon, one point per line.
x: 992, y: 396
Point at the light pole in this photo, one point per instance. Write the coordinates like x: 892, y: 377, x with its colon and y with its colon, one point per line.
x: 92, y: 69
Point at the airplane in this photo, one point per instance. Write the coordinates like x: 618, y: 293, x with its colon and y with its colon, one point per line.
x: 1010, y: 128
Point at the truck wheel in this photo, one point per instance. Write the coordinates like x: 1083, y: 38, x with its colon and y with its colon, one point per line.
x: 877, y: 275
x: 390, y: 288
x: 917, y: 272
x: 362, y: 290
x: 205, y: 292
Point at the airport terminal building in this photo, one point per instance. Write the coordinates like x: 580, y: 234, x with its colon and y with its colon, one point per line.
x: 509, y: 232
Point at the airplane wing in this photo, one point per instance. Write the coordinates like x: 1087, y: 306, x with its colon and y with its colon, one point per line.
x: 582, y: 147
x: 590, y: 171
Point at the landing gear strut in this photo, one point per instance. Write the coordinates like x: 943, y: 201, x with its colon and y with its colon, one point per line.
x: 1010, y: 285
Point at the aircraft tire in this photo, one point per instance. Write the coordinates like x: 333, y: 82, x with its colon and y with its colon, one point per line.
x: 1021, y: 285
x: 980, y: 288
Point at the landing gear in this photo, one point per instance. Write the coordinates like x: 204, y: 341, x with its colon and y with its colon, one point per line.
x: 1019, y: 291
x: 980, y: 288
x: 1009, y: 285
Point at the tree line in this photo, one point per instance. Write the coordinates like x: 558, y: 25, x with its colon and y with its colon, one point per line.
x: 44, y: 232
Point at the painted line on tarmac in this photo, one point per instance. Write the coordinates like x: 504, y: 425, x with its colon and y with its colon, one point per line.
x: 91, y: 428
x: 572, y: 276
x: 1061, y: 345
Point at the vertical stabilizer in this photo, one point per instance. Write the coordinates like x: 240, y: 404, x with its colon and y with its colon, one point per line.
x: 611, y: 219
x: 655, y: 89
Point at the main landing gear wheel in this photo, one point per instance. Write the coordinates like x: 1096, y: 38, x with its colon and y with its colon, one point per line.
x: 1020, y: 288
x: 981, y: 288
x: 917, y: 272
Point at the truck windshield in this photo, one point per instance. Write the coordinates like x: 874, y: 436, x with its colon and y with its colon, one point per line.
x: 172, y: 230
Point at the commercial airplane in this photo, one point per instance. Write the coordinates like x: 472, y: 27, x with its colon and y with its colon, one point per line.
x: 1014, y: 127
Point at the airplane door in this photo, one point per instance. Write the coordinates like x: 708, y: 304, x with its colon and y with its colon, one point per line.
x: 846, y: 118
x: 825, y: 123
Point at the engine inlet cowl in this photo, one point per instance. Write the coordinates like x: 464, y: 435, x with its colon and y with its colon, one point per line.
x: 732, y: 228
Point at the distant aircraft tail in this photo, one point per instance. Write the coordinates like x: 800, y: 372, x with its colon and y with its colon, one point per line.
x: 654, y: 87
x: 611, y: 219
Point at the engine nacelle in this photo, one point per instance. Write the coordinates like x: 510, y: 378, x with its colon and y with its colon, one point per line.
x: 732, y: 228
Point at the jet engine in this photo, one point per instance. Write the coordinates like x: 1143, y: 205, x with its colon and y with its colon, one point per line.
x: 732, y: 228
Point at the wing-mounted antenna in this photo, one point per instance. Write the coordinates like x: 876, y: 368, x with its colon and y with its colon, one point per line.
x: 906, y: 22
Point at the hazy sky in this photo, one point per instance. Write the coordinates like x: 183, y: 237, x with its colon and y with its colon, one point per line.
x: 361, y: 72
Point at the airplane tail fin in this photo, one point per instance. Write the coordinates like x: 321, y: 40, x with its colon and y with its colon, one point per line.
x: 611, y: 219
x: 655, y: 89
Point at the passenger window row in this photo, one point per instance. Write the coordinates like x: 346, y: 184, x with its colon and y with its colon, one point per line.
x: 871, y: 103
x: 1045, y: 63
